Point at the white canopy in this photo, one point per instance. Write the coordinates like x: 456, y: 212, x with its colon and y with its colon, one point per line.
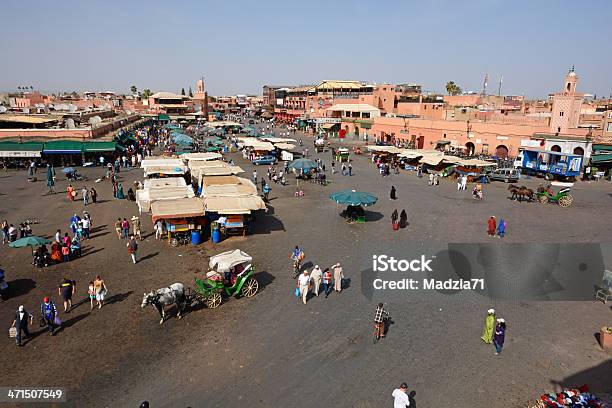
x: 164, y: 182
x: 285, y: 146
x: 161, y: 161
x: 234, y: 205
x: 226, y: 260
x: 144, y: 198
x: 201, y: 156
x: 166, y: 170
x: 179, y: 208
x: 229, y: 190
x: 278, y: 139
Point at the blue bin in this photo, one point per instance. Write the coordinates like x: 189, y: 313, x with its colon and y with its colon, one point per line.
x: 215, y: 235
x: 196, y: 237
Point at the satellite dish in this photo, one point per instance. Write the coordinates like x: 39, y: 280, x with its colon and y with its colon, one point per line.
x: 69, y: 123
x: 3, y: 109
x: 94, y: 120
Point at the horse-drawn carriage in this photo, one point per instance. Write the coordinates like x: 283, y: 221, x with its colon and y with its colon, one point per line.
x: 562, y: 197
x: 230, y: 274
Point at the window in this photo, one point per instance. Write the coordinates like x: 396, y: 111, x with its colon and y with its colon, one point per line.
x: 365, y: 115
x: 560, y: 113
x: 485, y: 148
x: 609, y: 127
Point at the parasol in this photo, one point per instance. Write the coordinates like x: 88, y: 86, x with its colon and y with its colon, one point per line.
x: 354, y: 198
x: 29, y: 241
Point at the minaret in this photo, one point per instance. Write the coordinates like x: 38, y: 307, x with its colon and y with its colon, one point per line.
x: 566, y: 106
x: 571, y: 80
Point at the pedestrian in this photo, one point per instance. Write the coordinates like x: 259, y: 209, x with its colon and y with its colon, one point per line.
x: 303, y: 283
x: 66, y: 253
x: 393, y: 195
x: 91, y: 292
x: 5, y: 232
x: 70, y: 193
x: 255, y: 177
x: 403, y: 219
x: 132, y: 247
x: 431, y: 179
x: 459, y: 182
x: 118, y: 227
x: 487, y: 331
x: 333, y: 167
x: 327, y: 282
x: 266, y: 192
x: 436, y: 181
x: 350, y: 169
x: 12, y: 232
x: 501, y: 228
x: 115, y: 188
x: 491, y: 226
x: 125, y: 228
x: 86, y: 225
x: 400, y: 396
x: 338, y: 276
x: 58, y: 236
x: 66, y: 290
x: 100, y: 290
x: 22, y: 317
x: 159, y: 229
x: 74, y: 223
x: 85, y: 193
x: 94, y: 195
x: 500, y: 335
x: 48, y: 312
x: 394, y: 217
x: 136, y: 227
x: 343, y: 169
x: 317, y: 277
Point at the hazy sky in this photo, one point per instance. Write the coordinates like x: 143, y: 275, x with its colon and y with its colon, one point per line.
x: 240, y: 45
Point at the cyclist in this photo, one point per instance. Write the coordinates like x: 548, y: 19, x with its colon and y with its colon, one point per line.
x: 297, y: 256
x: 380, y: 317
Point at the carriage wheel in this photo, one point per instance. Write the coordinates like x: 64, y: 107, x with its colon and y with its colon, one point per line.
x: 174, y: 242
x: 565, y: 201
x: 213, y: 300
x: 570, y: 197
x: 250, y: 287
x: 543, y: 199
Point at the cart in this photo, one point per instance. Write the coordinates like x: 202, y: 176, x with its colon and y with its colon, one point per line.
x: 562, y: 197
x: 342, y: 155
x: 230, y: 274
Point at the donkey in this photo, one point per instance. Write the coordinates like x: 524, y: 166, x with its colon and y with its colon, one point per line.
x: 173, y: 294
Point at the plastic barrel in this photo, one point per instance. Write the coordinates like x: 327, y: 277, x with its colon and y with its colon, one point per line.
x: 196, y: 237
x: 215, y: 236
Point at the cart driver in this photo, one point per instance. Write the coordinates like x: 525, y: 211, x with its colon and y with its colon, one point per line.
x: 549, y: 190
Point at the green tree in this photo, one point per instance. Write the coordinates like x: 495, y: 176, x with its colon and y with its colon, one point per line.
x: 146, y: 93
x: 182, y: 91
x: 452, y: 88
x: 190, y: 93
x: 133, y: 89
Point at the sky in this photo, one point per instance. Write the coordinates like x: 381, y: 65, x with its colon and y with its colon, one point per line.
x: 240, y: 45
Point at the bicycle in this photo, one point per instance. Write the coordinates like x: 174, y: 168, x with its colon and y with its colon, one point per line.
x: 378, y: 327
x: 297, y: 266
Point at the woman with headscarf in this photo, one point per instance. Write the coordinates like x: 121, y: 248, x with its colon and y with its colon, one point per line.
x: 392, y: 195
x: 120, y: 194
x: 491, y: 226
x: 500, y: 335
x: 394, y: 217
x: 403, y: 219
x: 501, y: 228
x: 70, y: 192
x: 487, y: 332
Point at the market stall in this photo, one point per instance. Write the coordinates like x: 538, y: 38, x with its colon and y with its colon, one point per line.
x: 147, y: 196
x: 234, y: 213
x: 182, y: 217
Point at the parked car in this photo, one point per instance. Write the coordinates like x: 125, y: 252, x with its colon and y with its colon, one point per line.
x: 264, y: 160
x: 505, y: 175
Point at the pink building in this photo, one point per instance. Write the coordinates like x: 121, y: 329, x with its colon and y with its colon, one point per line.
x: 566, y: 106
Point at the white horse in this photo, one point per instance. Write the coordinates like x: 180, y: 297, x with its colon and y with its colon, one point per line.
x: 173, y: 294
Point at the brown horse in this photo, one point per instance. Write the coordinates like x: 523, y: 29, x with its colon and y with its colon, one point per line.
x: 520, y: 193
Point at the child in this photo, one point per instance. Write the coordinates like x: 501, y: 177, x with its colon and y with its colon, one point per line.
x: 66, y: 253
x: 92, y: 294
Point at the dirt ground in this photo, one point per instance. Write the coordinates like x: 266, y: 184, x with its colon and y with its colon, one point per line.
x: 271, y: 350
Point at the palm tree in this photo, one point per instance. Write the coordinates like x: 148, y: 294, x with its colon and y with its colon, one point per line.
x: 182, y: 91
x: 146, y: 93
x: 190, y: 93
x: 133, y: 89
x: 452, y: 88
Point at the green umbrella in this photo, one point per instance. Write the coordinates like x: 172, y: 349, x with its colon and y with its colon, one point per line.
x: 303, y: 164
x: 354, y: 198
x: 29, y: 241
